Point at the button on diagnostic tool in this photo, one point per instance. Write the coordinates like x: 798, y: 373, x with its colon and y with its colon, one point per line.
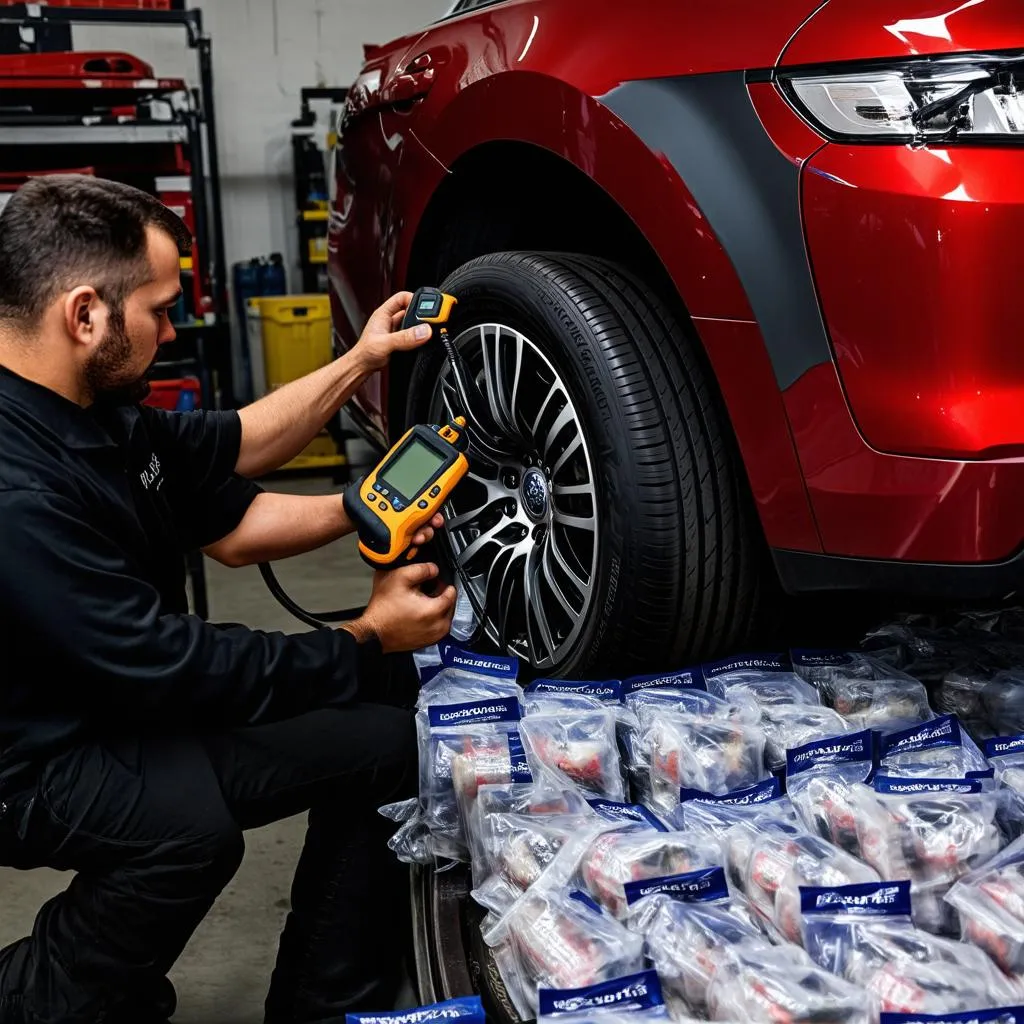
x: 428, y: 461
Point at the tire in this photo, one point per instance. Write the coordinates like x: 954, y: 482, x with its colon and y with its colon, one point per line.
x: 677, y: 555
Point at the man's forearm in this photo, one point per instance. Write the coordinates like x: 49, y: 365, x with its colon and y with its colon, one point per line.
x: 278, y: 426
x: 281, y: 525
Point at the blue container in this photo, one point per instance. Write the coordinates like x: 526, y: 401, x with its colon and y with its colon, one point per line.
x: 272, y: 276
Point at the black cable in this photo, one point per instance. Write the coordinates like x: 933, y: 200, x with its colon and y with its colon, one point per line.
x: 315, y: 619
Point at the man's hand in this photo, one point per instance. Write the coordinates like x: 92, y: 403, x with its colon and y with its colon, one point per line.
x: 401, y: 615
x: 381, y: 336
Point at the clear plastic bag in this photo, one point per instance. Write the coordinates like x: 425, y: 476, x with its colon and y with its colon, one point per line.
x: 515, y: 832
x: 687, y: 939
x: 771, y: 860
x: 557, y: 939
x: 616, y: 859
x: 464, y: 1010
x: 930, y: 831
x: 703, y: 753
x: 575, y: 736
x: 865, y: 935
x: 467, y: 724
x: 793, y: 725
x: 1006, y: 756
x: 769, y: 984
x: 766, y: 678
x: 634, y: 999
x: 867, y: 692
x: 936, y: 749
x: 989, y: 903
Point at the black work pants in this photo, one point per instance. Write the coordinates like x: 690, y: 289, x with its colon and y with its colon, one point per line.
x: 153, y: 825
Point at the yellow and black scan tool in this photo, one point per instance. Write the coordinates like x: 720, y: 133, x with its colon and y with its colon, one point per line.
x: 414, y: 480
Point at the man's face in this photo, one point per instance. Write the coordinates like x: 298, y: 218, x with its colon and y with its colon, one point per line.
x: 136, y: 330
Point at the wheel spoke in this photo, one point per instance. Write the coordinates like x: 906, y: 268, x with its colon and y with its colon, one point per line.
x: 554, y: 390
x: 506, y: 588
x: 562, y: 420
x: 516, y: 377
x: 494, y: 380
x: 578, y: 522
x: 569, y: 490
x: 553, y: 583
x: 535, y: 601
x: 582, y: 584
x: 471, y: 550
x: 572, y: 448
x: 478, y: 431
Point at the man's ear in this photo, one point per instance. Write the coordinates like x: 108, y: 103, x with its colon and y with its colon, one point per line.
x: 84, y: 315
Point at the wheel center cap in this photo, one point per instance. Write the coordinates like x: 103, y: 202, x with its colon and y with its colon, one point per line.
x: 535, y: 493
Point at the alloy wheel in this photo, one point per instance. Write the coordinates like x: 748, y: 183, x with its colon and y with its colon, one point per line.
x: 523, y: 525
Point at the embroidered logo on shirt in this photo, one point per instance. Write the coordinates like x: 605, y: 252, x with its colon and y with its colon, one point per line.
x: 151, y: 475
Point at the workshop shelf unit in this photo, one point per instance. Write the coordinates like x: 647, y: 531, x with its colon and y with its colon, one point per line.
x: 102, y: 114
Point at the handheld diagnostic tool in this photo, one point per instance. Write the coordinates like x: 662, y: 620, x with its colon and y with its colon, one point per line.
x: 413, y: 481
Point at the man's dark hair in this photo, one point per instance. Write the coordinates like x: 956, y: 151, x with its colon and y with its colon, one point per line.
x: 64, y: 230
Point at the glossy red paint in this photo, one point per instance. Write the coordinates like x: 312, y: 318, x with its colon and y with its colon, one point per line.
x: 911, y: 250
x: 870, y: 29
x: 877, y: 506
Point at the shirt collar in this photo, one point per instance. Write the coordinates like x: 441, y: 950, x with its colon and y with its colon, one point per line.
x: 74, y: 426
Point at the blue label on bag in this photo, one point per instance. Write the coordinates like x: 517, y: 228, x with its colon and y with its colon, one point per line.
x: 683, y: 679
x: 821, y: 659
x: 749, y: 662
x: 999, y: 746
x: 586, y: 899
x: 939, y: 732
x: 865, y: 899
x: 477, y: 712
x: 467, y: 1008
x: 520, y: 767
x: 1004, y: 1015
x: 633, y: 993
x: 759, y: 793
x: 849, y: 748
x: 891, y: 784
x: 609, y: 690
x: 701, y: 886
x: 485, y: 664
x: 610, y: 810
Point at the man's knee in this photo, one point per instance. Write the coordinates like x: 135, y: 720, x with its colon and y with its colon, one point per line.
x: 212, y: 854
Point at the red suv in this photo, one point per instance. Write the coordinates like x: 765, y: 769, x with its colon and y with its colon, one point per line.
x: 739, y: 281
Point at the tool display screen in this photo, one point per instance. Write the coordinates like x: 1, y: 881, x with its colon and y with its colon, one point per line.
x: 413, y: 469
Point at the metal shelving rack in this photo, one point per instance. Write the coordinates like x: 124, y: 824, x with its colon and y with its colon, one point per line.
x: 202, y: 348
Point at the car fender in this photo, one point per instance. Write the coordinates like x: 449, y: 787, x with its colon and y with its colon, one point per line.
x: 641, y: 177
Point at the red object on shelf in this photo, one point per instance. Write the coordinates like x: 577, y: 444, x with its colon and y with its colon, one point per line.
x: 137, y: 5
x: 179, y: 394
x: 81, y: 70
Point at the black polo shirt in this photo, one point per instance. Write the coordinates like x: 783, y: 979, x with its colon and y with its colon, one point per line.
x: 98, y: 509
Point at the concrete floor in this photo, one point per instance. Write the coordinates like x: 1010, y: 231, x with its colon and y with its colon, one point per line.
x: 222, y: 976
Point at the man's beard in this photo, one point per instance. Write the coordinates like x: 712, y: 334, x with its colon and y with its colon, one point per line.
x: 105, y: 372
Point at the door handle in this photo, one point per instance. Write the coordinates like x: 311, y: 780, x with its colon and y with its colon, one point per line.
x: 415, y: 81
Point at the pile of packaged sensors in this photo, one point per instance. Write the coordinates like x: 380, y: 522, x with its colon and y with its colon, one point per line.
x: 773, y: 839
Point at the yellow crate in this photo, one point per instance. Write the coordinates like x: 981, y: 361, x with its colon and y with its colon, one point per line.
x: 320, y: 453
x: 289, y: 336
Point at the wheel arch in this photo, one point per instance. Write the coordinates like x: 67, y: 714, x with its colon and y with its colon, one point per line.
x: 511, y: 194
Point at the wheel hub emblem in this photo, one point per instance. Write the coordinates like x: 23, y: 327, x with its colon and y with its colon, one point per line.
x: 535, y: 493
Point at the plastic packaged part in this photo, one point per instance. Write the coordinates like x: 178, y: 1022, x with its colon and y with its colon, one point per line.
x: 608, y: 691
x: 688, y: 940
x: 819, y: 780
x: 464, y: 1010
x: 635, y: 814
x: 935, y: 749
x: 465, y: 621
x: 989, y: 902
x: 865, y: 935
x: 576, y: 740
x: 467, y: 725
x: 557, y: 939
x: 793, y: 725
x: 933, y: 832
x: 767, y: 678
x: 615, y: 859
x: 772, y: 860
x: 773, y: 984
x: 1006, y: 756
x: 633, y: 999
x: 681, y: 679
x: 865, y: 691
x: 698, y: 752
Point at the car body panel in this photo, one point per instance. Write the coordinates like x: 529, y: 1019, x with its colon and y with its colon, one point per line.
x: 755, y: 218
x: 847, y: 30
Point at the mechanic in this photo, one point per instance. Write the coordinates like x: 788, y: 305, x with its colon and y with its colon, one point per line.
x: 138, y: 742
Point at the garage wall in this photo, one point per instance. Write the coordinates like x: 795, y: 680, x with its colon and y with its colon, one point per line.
x: 264, y: 52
